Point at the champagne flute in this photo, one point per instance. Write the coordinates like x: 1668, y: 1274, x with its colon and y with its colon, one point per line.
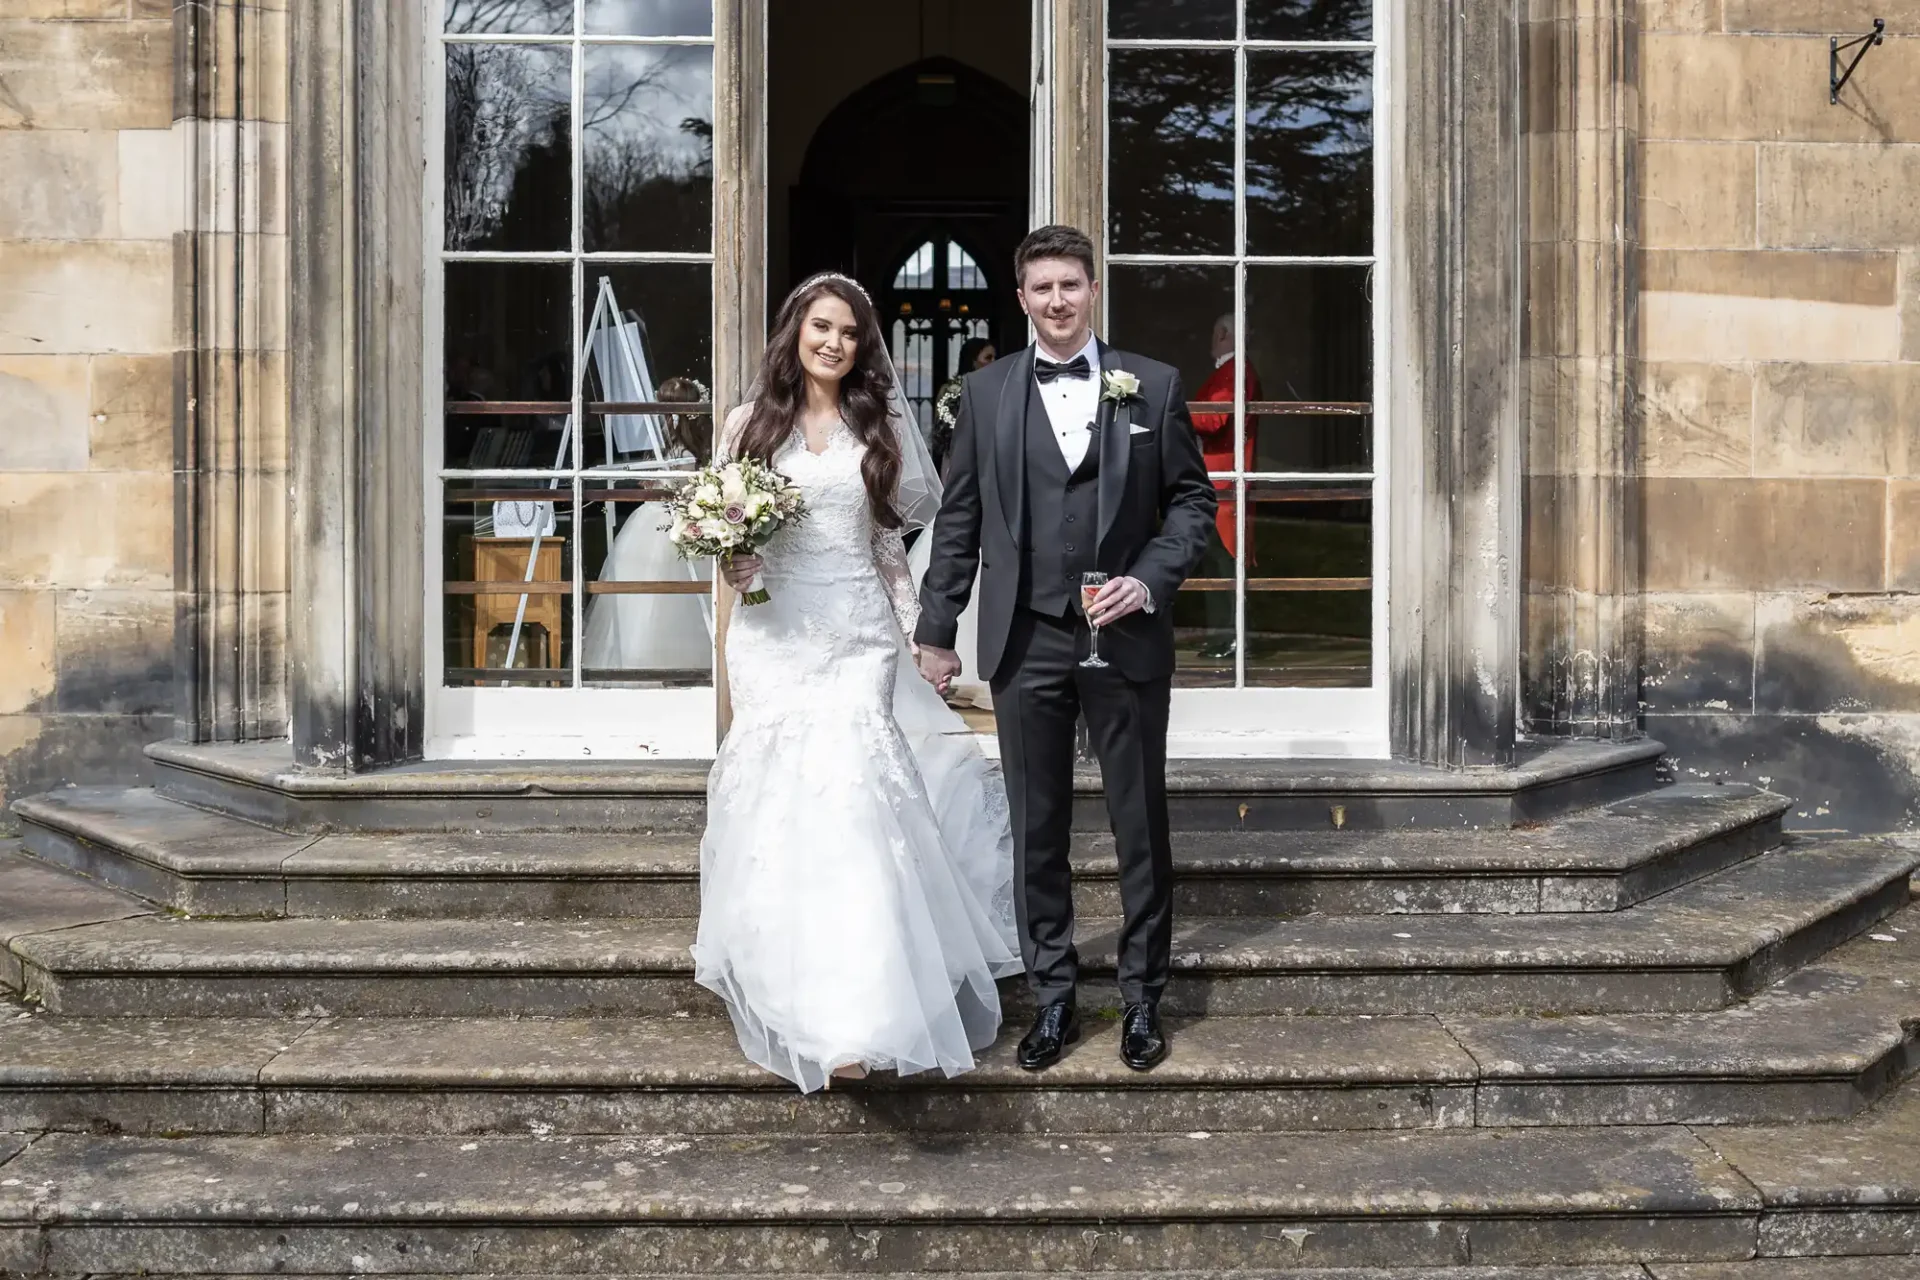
x: 1090, y: 587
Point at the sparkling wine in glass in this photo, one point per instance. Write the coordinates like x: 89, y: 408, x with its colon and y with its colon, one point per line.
x: 1090, y: 586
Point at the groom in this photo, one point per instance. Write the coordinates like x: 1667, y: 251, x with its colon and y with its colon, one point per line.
x: 1071, y: 457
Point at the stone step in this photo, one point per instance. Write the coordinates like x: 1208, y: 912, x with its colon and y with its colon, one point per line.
x: 1752, y: 1269
x: 1828, y: 1041
x: 1600, y: 859
x: 258, y: 781
x: 1218, y: 1203
x: 1700, y: 947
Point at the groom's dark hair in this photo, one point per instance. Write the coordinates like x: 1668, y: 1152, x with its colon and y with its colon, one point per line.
x: 1052, y: 242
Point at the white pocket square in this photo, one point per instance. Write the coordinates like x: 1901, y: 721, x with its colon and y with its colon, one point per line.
x: 1135, y: 429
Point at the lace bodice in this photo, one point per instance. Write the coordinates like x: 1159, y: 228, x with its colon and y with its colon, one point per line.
x: 838, y: 541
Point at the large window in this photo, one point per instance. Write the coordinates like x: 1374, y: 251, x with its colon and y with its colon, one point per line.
x: 574, y: 293
x: 1241, y: 227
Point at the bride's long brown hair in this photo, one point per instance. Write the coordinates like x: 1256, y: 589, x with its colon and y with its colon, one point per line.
x: 863, y: 392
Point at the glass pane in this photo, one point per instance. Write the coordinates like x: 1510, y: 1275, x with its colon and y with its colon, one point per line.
x: 510, y: 17
x: 913, y: 349
x: 509, y: 167
x: 1309, y: 619
x: 1310, y: 154
x: 917, y: 271
x: 1309, y: 19
x: 647, y: 139
x: 663, y: 332
x: 508, y: 372
x: 1170, y: 19
x: 1171, y: 314
x: 508, y: 582
x: 631, y: 440
x: 649, y: 17
x: 649, y: 614
x: 962, y: 271
x: 1203, y: 621
x: 1170, y: 122
x: 1310, y: 334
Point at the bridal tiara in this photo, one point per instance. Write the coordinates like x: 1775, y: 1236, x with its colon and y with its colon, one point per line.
x: 835, y: 275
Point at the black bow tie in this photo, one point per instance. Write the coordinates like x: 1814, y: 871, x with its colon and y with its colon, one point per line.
x: 1046, y: 370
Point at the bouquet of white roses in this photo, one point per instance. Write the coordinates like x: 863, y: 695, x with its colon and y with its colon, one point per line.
x: 733, y: 508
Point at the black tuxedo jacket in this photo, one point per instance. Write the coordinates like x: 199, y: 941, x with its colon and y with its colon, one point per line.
x: 1156, y: 510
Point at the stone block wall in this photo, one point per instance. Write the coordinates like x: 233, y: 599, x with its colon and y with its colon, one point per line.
x: 91, y: 180
x: 1779, y: 385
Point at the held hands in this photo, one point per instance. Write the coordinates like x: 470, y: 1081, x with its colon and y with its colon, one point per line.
x: 938, y: 666
x: 1120, y: 597
x: 739, y: 571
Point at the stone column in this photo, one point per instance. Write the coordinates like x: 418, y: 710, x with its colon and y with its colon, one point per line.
x: 357, y: 402
x: 1581, y: 672
x: 230, y: 411
x: 1456, y: 396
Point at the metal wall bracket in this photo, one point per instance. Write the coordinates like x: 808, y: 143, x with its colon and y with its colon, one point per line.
x: 1836, y: 78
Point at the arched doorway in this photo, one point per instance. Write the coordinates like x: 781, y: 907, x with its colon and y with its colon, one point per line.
x: 916, y: 185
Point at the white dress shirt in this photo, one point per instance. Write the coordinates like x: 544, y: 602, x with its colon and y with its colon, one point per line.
x: 1072, y: 403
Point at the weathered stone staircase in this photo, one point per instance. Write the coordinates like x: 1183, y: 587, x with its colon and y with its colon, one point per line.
x: 441, y: 1021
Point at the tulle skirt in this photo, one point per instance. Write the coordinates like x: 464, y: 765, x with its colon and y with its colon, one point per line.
x: 856, y: 871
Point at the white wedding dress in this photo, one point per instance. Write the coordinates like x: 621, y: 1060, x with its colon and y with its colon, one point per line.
x: 856, y: 873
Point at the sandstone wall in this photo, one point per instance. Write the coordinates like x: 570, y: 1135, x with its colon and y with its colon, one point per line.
x: 1780, y: 383
x: 91, y: 175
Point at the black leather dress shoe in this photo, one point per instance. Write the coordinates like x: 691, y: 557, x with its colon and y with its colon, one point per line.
x: 1057, y: 1027
x: 1142, y: 1043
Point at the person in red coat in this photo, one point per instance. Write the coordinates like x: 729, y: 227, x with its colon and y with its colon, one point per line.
x: 1216, y: 443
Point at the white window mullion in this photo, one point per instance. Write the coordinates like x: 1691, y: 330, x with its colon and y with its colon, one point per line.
x: 1241, y: 524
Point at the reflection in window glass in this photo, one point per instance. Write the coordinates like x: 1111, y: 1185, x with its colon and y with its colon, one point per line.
x: 509, y: 17
x: 649, y: 17
x: 647, y: 130
x: 1309, y: 154
x: 508, y: 160
x: 1170, y: 19
x: 1170, y: 128
x: 1309, y: 19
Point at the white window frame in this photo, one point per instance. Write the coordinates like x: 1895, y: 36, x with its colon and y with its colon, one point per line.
x: 579, y: 722
x: 1303, y: 722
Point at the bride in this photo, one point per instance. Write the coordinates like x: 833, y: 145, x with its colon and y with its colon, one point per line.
x: 856, y: 872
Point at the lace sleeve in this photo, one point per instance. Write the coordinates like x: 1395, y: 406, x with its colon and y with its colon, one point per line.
x: 890, y: 558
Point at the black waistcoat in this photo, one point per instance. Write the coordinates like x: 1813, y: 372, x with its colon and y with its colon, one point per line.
x: 1063, y: 516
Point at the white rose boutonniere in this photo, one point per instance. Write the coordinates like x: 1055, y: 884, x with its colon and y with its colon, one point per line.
x: 1118, y: 385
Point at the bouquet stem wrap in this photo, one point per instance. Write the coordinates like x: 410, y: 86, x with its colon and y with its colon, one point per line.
x: 756, y: 592
x: 733, y: 509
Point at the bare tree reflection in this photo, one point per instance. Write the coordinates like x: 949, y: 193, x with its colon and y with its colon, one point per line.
x: 509, y: 17
x: 507, y: 108
x: 648, y: 162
